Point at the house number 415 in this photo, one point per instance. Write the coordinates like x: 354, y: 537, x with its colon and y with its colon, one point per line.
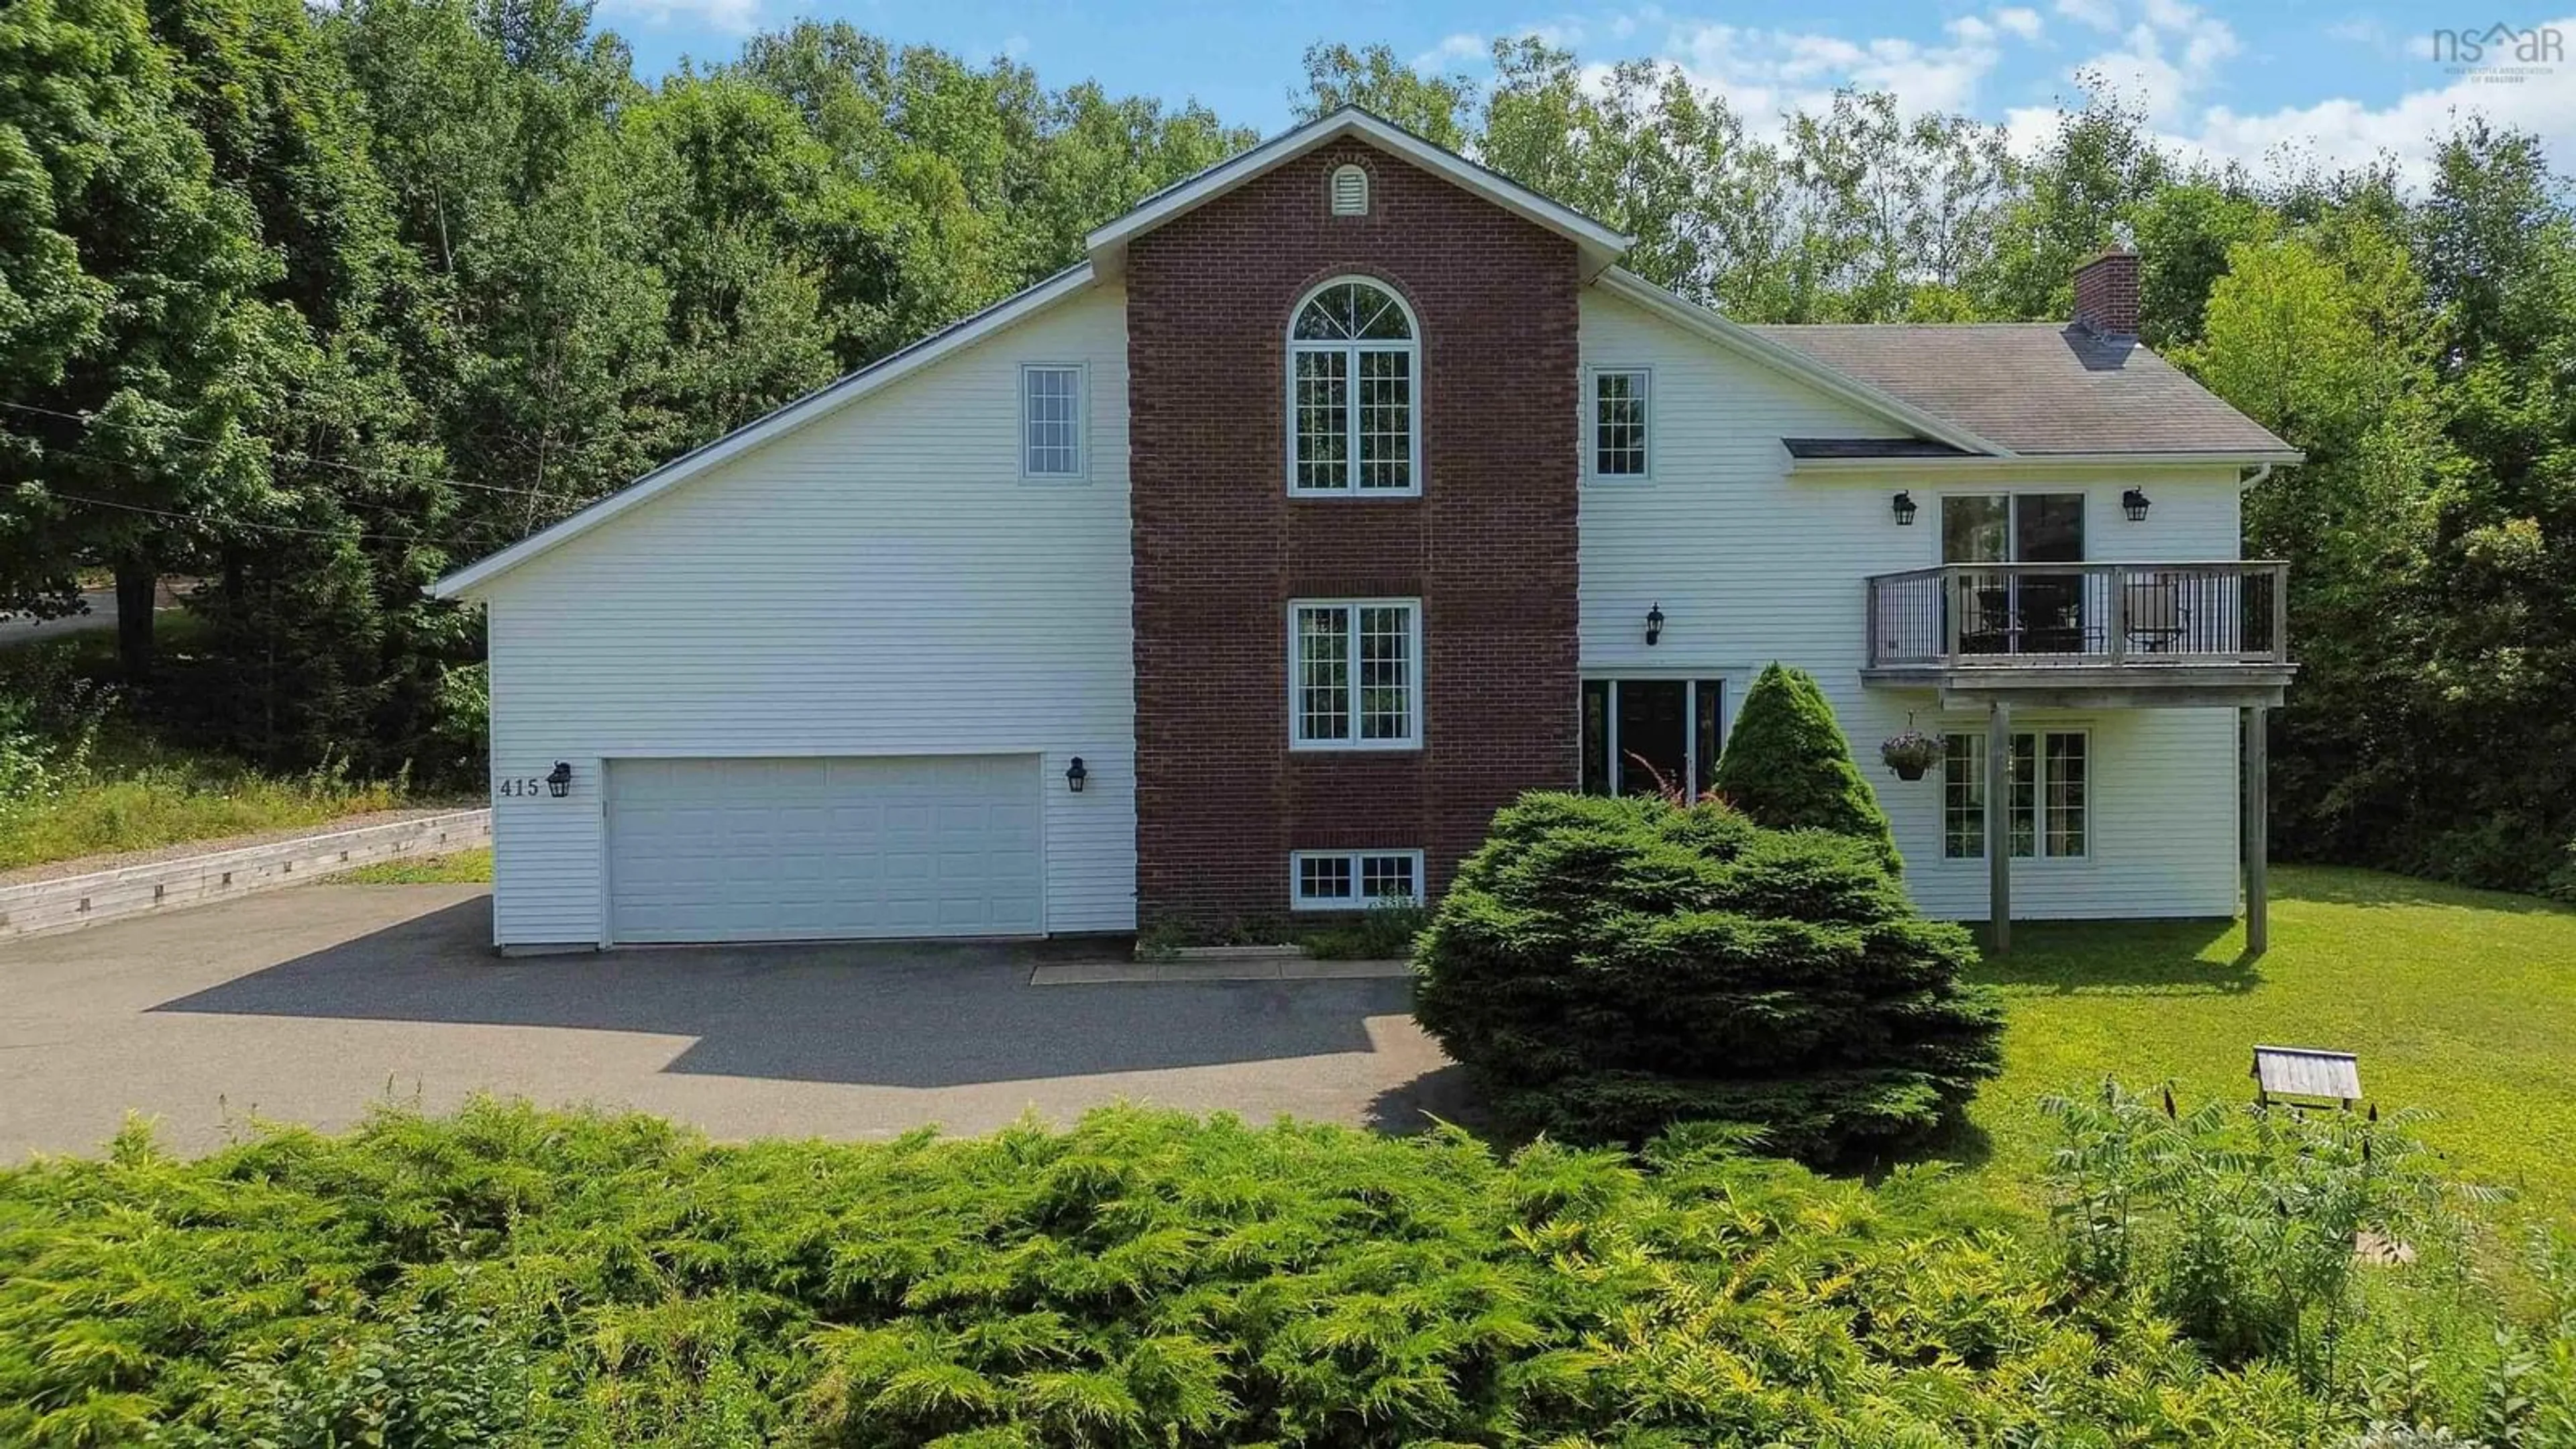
x: 521, y: 785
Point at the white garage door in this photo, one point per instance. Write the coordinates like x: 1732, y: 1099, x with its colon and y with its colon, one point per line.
x: 822, y: 849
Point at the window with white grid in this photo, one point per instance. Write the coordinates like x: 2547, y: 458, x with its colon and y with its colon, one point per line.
x: 2046, y: 805
x: 1619, y: 401
x: 1355, y: 674
x: 1352, y: 880
x: 1353, y: 426
x: 1050, y: 421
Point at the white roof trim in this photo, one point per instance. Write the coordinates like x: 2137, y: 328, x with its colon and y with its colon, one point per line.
x: 883, y: 372
x: 1108, y: 243
x: 1780, y: 357
x: 2044, y: 462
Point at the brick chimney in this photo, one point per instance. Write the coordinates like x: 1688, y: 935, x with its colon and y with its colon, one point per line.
x: 2106, y: 294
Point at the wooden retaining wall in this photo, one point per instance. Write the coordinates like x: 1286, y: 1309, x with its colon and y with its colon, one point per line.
x: 168, y: 885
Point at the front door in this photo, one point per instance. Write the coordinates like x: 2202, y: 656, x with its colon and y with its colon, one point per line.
x: 1643, y: 736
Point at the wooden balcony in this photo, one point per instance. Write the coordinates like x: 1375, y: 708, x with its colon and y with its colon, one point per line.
x: 2085, y: 635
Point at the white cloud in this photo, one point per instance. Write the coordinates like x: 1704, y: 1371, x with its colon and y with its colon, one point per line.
x: 1763, y: 73
x: 1452, y: 49
x: 2021, y: 20
x: 2342, y: 132
x: 2100, y: 14
x: 1015, y: 45
x: 2166, y: 58
x: 739, y: 17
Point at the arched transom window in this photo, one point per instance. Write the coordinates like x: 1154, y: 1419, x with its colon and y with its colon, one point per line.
x: 1353, y: 427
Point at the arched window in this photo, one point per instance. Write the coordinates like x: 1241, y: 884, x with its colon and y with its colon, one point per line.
x: 1351, y: 384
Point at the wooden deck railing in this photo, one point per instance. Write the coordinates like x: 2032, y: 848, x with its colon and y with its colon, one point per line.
x: 2080, y: 615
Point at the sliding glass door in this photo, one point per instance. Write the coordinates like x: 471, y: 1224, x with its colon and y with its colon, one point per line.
x: 2017, y: 611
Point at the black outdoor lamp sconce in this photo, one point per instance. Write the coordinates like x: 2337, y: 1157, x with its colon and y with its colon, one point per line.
x: 1903, y: 507
x: 1075, y: 774
x: 2134, y: 503
x: 1654, y: 623
x: 559, y: 779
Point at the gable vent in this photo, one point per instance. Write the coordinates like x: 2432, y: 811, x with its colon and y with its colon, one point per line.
x: 1350, y: 191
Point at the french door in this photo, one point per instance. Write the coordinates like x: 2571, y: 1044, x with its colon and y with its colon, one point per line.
x: 2016, y: 611
x: 1645, y: 735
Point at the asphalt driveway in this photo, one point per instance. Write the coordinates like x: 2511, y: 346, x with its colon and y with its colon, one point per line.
x: 307, y: 1005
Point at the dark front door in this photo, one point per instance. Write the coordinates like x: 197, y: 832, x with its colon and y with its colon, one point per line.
x: 1645, y: 735
x: 1654, y: 735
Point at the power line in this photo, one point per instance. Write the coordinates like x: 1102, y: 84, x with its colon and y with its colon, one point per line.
x: 88, y: 421
x: 482, y: 526
x: 476, y: 526
x: 240, y: 523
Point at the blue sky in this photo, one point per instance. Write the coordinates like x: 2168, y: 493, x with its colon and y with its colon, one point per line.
x: 2339, y: 78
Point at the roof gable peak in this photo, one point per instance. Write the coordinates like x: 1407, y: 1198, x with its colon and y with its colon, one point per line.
x: 1597, y: 244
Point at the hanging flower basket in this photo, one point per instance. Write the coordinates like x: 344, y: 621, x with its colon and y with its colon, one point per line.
x: 1910, y: 754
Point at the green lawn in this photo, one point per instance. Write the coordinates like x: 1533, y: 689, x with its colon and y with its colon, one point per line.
x: 464, y: 867
x: 2460, y: 1002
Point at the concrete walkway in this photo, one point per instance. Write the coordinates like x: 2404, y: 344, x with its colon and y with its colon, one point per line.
x: 309, y: 1004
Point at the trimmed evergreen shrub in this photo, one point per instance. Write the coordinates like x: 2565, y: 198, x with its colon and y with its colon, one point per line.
x: 1605, y: 967
x: 1787, y: 764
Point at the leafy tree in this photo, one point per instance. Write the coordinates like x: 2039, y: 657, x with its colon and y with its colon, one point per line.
x: 1788, y: 766
x: 1608, y: 967
x: 130, y: 319
x: 1439, y: 109
x: 2068, y: 205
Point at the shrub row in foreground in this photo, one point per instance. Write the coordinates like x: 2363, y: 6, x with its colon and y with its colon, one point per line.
x: 507, y: 1276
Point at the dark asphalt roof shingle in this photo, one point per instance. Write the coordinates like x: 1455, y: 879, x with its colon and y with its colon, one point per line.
x: 1871, y: 448
x: 2036, y: 387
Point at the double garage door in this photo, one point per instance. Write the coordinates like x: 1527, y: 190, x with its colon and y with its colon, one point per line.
x: 824, y: 849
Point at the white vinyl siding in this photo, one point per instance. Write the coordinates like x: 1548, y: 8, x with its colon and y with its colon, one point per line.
x: 1051, y: 421
x: 1351, y: 880
x: 1355, y: 674
x: 879, y: 582
x: 1752, y: 564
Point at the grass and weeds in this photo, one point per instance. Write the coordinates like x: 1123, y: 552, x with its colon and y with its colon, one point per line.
x: 463, y: 867
x: 82, y: 773
x: 2460, y: 1003
x: 117, y: 807
x: 1380, y: 933
x: 1383, y: 932
x: 512, y: 1276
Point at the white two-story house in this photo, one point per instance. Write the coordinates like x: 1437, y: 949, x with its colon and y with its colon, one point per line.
x: 1338, y: 496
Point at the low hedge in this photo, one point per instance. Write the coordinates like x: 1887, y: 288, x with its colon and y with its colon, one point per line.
x: 510, y: 1276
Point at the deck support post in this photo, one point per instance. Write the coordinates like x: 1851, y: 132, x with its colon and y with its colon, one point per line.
x: 2258, y: 845
x: 1999, y: 827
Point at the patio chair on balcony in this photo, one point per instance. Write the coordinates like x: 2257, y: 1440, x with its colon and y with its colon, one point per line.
x: 2158, y: 613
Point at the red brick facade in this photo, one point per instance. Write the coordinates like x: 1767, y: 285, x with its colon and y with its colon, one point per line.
x: 1220, y: 547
